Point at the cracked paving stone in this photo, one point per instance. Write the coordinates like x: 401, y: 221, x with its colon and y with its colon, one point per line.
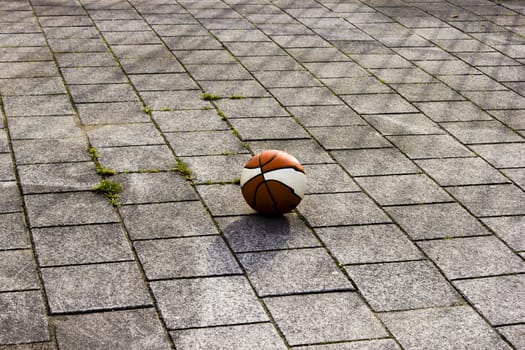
x: 117, y: 330
x: 491, y: 200
x: 94, y: 287
x: 293, y: 271
x: 442, y: 328
x: 368, y: 244
x: 472, y: 257
x: 304, y: 319
x: 222, y: 301
x: 150, y: 221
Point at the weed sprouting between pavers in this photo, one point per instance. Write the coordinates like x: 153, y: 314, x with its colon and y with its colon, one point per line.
x: 183, y: 169
x: 210, y: 97
x: 108, y: 189
x: 98, y: 166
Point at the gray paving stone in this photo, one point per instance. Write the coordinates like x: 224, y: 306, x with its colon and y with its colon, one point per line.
x: 163, y: 82
x: 204, y: 56
x: 154, y: 187
x: 93, y: 75
x: 251, y: 107
x: 317, y: 55
x: 349, y: 137
x: 328, y: 178
x: 381, y: 344
x: 19, y: 54
x: 427, y: 92
x: 472, y: 257
x: 381, y: 161
x: 504, y: 73
x: 244, y: 49
x: 341, y: 209
x: 185, y: 99
x: 430, y: 146
x: 103, y: 93
x: 222, y: 301
x: 6, y: 168
x: 514, y: 334
x: 305, y: 96
x: 299, y: 41
x: 452, y: 111
x: 94, y: 287
x: 150, y: 221
x: 11, y: 70
x: 49, y: 150
x: 271, y: 63
x: 63, y: 177
x: 18, y: 271
x: 224, y: 200
x: 9, y: 197
x: 424, y: 53
x: 403, y: 75
x: 481, y: 132
x: 118, y: 25
x: 508, y: 155
x: 318, y: 318
x: 81, y: 245
x: 164, y: 64
x: 403, y: 124
x: 23, y: 318
x: 361, y: 47
x: 192, y: 43
x: 490, y: 200
x: 72, y: 208
x: 218, y: 72
x: 76, y: 45
x: 509, y: 229
x: 186, y: 257
x: 368, y: 244
x: 191, y: 120
x: 293, y: 271
x: 381, y: 61
x: 254, y: 336
x: 403, y: 189
x: 31, y: 86
x: 4, y: 143
x: 471, y: 82
x: 516, y: 175
x: 117, y: 330
x: 219, y: 168
x: 258, y: 232
x: 245, y: 88
x: 451, y: 68
x: 442, y: 328
x: 31, y: 346
x: 217, y: 142
x: 179, y: 30
x: 496, y: 99
x: 112, y: 113
x: 481, y: 59
x: 499, y: 299
x: 124, y: 135
x: 268, y: 128
x: 43, y: 127
x: 137, y: 158
x: 430, y: 221
x: 461, y: 171
x: 339, y: 115
x: 271, y: 79
x: 239, y: 35
x: 378, y: 104
x: 12, y: 231
x: 67, y: 21
x: 143, y: 52
x: 21, y: 106
x: 403, y: 285
x: 71, y: 32
x: 356, y: 85
x: 336, y: 70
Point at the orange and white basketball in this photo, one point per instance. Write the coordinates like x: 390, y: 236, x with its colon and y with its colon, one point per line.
x: 273, y: 182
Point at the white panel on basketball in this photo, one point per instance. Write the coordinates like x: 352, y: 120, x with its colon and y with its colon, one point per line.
x: 248, y: 174
x: 290, y: 177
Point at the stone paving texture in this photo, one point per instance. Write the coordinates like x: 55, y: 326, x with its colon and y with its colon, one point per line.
x: 408, y: 115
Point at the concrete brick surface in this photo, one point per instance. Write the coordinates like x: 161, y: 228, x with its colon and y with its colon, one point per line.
x: 408, y: 117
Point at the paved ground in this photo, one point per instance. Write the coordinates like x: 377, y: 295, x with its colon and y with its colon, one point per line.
x: 408, y: 115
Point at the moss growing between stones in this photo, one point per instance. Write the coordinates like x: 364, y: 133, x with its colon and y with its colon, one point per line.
x: 183, y: 169
x: 98, y: 166
x: 210, y: 97
x: 108, y: 189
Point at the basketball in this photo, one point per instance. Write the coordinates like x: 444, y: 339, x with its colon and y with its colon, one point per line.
x: 273, y: 182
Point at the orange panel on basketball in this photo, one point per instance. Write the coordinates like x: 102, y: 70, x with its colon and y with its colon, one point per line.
x: 282, y: 160
x: 284, y: 197
x: 249, y: 190
x: 253, y: 163
x: 267, y: 156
